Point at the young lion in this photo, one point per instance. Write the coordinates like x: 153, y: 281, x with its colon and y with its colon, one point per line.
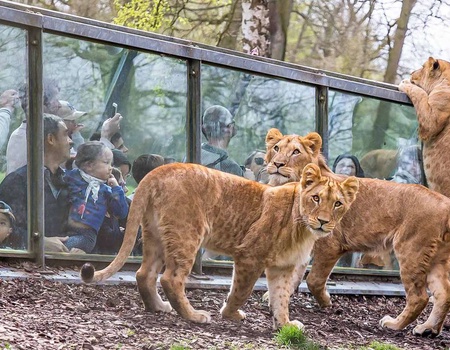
x: 182, y: 207
x: 429, y: 91
x: 411, y: 219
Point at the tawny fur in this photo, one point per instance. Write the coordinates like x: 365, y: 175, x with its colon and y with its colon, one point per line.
x: 411, y: 219
x: 429, y: 91
x: 379, y: 163
x: 182, y: 207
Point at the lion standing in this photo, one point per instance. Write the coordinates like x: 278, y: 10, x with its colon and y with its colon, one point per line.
x: 182, y: 207
x: 429, y: 91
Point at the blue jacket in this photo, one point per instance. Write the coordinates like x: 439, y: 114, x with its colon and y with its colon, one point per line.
x: 93, y: 213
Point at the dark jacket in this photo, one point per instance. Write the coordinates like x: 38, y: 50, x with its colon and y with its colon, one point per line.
x: 13, y: 191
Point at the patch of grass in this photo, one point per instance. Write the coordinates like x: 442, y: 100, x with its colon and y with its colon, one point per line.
x: 295, y: 338
x: 130, y: 332
x: 379, y: 346
x: 178, y: 347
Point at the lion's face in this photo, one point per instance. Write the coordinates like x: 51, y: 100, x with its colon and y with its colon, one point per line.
x: 324, y: 201
x: 431, y: 73
x: 286, y: 156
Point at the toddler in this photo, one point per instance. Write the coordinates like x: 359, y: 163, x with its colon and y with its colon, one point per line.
x: 93, y: 191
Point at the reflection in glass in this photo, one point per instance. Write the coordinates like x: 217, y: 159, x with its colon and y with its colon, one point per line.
x: 237, y: 111
x: 96, y: 81
x: 381, y: 138
x: 257, y: 104
x: 13, y: 104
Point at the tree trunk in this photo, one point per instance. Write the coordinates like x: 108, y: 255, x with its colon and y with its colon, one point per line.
x: 279, y: 14
x: 255, y: 27
x: 395, y: 52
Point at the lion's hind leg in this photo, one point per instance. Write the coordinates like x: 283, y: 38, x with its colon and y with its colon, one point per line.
x: 279, y: 281
x: 413, y: 275
x: 439, y: 286
x: 244, y: 278
x: 147, y: 275
x: 179, y: 263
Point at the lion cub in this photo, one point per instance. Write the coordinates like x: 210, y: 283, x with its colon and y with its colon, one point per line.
x: 183, y: 207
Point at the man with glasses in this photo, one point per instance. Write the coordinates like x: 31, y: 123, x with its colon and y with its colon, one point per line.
x: 255, y: 163
x: 13, y: 189
x: 219, y: 127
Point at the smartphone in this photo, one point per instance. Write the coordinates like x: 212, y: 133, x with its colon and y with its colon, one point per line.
x: 115, y: 108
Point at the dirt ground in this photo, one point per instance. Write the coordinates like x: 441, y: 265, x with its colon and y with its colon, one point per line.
x: 37, y: 313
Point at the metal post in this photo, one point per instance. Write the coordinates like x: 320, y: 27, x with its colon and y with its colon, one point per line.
x: 193, y: 126
x: 322, y: 116
x: 35, y: 146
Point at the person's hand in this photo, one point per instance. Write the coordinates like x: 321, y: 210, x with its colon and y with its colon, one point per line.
x: 111, y: 126
x: 112, y: 181
x: 77, y: 251
x: 248, y: 174
x: 55, y: 244
x: 78, y: 127
x: 8, y: 99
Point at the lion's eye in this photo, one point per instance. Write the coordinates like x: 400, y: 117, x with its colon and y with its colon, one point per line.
x: 296, y: 151
x: 316, y: 198
x: 276, y: 148
x: 338, y: 204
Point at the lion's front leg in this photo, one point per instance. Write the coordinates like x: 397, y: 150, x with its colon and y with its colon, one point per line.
x: 297, y: 278
x: 431, y: 119
x: 326, y: 254
x: 244, y: 278
x: 279, y: 281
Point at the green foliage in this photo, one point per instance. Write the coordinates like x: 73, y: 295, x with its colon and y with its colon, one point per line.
x: 141, y: 14
x: 295, y: 338
x: 179, y: 347
x: 379, y: 346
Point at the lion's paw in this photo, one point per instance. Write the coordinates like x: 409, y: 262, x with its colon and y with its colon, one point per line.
x: 296, y: 323
x: 200, y: 316
x: 266, y: 297
x: 403, y: 83
x: 164, y: 307
x: 389, y: 322
x: 424, y: 330
x: 237, y: 315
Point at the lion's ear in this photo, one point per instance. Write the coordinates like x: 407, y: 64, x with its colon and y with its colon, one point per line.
x: 350, y: 188
x: 273, y: 136
x: 313, y: 141
x: 433, y: 63
x: 311, y: 175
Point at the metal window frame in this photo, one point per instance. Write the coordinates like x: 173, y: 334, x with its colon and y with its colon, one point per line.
x: 38, y: 21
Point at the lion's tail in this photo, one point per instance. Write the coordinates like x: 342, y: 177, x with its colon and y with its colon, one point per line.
x: 137, y: 208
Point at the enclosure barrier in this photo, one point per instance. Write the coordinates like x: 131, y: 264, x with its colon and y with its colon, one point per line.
x: 162, y: 85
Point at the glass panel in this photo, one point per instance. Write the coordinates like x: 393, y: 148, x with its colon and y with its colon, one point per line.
x: 96, y: 81
x: 381, y: 138
x: 238, y: 109
x: 13, y: 104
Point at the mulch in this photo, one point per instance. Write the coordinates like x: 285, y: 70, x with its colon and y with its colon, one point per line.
x: 37, y: 313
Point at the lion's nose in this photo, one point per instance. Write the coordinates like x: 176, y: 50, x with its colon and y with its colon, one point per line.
x: 278, y: 164
x: 323, y: 222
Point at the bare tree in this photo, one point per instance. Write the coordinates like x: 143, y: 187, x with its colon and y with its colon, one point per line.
x: 279, y: 16
x: 255, y: 27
